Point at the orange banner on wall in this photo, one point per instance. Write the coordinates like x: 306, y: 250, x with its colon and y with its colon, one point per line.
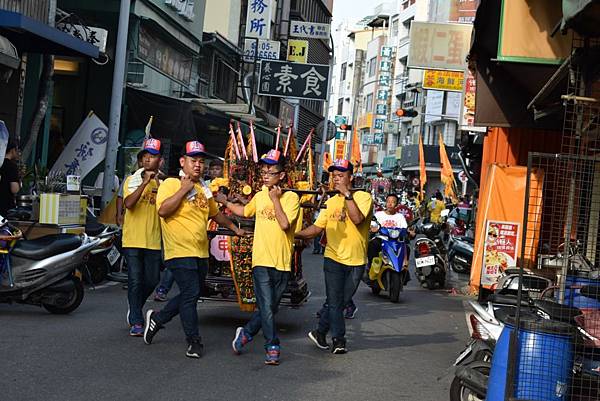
x: 502, y: 198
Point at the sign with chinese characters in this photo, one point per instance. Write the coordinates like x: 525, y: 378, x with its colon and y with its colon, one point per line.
x: 340, y: 149
x: 379, y: 123
x: 385, y: 66
x: 91, y: 34
x: 383, y: 94
x: 185, y: 8
x: 367, y: 139
x: 85, y: 150
x: 339, y: 120
x: 263, y: 49
x: 443, y: 80
x: 293, y: 80
x: 258, y: 20
x: 381, y: 109
x: 386, y: 51
x: 439, y: 46
x: 311, y: 30
x: 385, y: 80
x: 155, y: 52
x: 499, y: 250
x: 378, y: 138
x: 391, y: 127
x: 434, y: 105
x: 297, y: 50
x: 453, y: 100
x: 468, y: 117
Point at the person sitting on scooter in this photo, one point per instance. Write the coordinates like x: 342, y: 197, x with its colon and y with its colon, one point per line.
x: 389, y: 218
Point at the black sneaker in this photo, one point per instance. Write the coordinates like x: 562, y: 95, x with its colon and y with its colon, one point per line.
x: 152, y: 327
x: 195, y: 348
x: 319, y: 339
x: 339, y: 346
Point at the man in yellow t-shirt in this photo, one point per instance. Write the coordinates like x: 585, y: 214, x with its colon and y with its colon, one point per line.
x: 346, y: 221
x: 276, y: 215
x: 436, y: 206
x: 141, y: 235
x: 185, y: 206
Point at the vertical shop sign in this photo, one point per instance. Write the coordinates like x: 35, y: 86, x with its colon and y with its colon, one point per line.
x: 258, y: 20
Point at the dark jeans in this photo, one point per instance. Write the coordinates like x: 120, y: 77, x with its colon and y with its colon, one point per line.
x: 341, y: 282
x: 143, y: 273
x: 189, y: 274
x: 317, y: 244
x: 269, y: 286
x: 167, y: 281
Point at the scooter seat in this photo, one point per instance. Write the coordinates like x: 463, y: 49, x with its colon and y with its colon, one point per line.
x: 93, y: 228
x: 47, y: 246
x: 556, y: 311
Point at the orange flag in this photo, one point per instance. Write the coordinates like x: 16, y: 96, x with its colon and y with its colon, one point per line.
x: 423, y: 172
x: 447, y: 174
x: 355, y: 156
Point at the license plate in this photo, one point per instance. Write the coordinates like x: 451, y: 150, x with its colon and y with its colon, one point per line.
x: 113, y: 255
x: 426, y: 261
x: 463, y: 355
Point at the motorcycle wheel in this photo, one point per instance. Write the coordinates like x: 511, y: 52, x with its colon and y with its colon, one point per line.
x: 458, y: 392
x: 75, y: 298
x: 395, y: 283
x: 97, y: 269
x: 458, y: 267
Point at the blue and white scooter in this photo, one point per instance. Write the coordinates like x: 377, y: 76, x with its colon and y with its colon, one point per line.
x: 389, y: 270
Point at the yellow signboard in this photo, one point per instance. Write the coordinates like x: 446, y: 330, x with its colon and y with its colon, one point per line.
x: 365, y: 121
x: 443, y: 80
x: 297, y: 50
x: 340, y: 149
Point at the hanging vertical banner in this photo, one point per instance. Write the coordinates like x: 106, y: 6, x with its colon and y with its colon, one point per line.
x: 258, y: 20
x: 500, y: 250
x: 85, y: 150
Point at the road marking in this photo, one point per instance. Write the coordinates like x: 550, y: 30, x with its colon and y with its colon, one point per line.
x: 107, y: 285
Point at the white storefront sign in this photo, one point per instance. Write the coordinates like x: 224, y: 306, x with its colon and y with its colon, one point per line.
x: 312, y: 30
x: 263, y: 49
x: 258, y: 20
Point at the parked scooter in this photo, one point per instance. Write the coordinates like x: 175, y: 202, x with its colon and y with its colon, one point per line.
x: 45, y: 271
x: 430, y: 256
x: 460, y: 253
x: 471, y: 379
x: 105, y: 255
x: 389, y: 270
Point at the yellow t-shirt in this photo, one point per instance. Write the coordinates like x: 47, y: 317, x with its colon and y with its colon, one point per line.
x: 436, y: 211
x: 141, y: 227
x: 346, y: 242
x: 184, y: 232
x: 272, y: 247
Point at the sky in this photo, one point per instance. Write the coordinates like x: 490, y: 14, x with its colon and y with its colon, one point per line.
x: 351, y: 9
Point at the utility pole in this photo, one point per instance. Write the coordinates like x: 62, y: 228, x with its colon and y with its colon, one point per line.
x: 112, y: 147
x: 326, y: 119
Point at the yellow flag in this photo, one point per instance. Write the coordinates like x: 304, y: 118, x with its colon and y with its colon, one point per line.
x: 422, y: 171
x: 447, y: 174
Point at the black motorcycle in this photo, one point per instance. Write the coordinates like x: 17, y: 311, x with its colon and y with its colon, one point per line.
x: 430, y: 255
x: 460, y: 254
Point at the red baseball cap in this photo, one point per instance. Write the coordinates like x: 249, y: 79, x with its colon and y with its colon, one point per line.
x: 272, y: 157
x: 194, y: 148
x: 341, y: 165
x: 152, y: 146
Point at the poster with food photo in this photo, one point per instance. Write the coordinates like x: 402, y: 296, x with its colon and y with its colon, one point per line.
x: 500, y: 250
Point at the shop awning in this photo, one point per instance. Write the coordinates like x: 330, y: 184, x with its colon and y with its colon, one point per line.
x: 30, y: 35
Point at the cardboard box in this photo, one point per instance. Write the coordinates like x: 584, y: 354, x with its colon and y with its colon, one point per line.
x: 62, y: 209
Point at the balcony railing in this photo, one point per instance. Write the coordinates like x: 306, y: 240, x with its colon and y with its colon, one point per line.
x: 36, y: 9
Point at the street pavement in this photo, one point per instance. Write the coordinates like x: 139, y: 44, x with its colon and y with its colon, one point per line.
x: 397, y: 351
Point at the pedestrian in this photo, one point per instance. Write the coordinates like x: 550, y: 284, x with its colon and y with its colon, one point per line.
x: 10, y: 183
x: 276, y: 215
x: 215, y: 170
x: 141, y: 235
x: 346, y: 221
x: 317, y: 248
x: 435, y: 208
x: 120, y: 210
x: 185, y: 205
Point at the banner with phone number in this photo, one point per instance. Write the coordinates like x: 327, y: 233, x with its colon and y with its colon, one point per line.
x: 500, y: 250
